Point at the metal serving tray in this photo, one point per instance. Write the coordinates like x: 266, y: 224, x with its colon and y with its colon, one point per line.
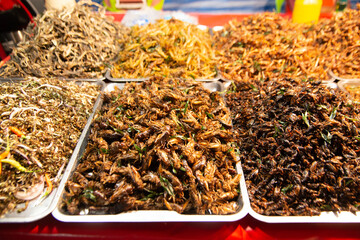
x: 39, y: 208
x: 355, y: 83
x: 328, y: 83
x: 157, y: 215
x: 61, y: 78
x: 109, y: 77
x: 324, y: 217
x: 124, y: 80
x: 336, y: 78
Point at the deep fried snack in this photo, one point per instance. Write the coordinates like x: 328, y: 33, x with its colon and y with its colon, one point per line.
x: 161, y: 144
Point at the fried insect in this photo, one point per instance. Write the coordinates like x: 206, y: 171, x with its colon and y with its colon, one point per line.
x: 267, y: 45
x: 51, y: 114
x: 72, y: 43
x: 338, y: 39
x: 170, y: 48
x: 299, y: 146
x: 146, y: 152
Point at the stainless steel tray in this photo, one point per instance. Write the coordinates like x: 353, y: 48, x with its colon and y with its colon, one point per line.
x: 39, y: 208
x: 157, y: 215
x: 324, y: 217
x: 336, y: 78
x: 351, y: 83
x: 124, y: 80
x: 74, y: 79
x: 328, y: 83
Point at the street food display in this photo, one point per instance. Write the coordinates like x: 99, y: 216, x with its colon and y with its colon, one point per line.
x: 160, y: 144
x: 285, y: 119
x: 167, y: 48
x: 40, y: 123
x: 299, y: 146
x: 72, y: 43
x: 267, y: 45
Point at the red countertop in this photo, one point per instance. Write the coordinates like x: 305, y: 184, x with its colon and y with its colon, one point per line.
x: 246, y: 228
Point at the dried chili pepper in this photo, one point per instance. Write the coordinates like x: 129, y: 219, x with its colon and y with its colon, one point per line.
x: 18, y: 132
x: 4, y: 154
x: 49, y: 184
x: 15, y: 164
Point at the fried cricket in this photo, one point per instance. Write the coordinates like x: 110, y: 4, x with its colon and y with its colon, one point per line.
x: 161, y: 144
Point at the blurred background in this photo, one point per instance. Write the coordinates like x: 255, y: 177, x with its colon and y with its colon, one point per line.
x: 16, y: 14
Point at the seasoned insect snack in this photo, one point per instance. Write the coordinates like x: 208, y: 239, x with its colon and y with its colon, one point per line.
x: 338, y: 39
x: 269, y: 46
x: 73, y: 43
x: 166, y: 48
x: 352, y: 87
x: 299, y: 145
x: 40, y: 123
x: 162, y: 144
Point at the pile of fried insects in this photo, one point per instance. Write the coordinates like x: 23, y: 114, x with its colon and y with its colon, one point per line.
x: 40, y: 123
x: 74, y: 43
x: 267, y: 45
x: 170, y: 48
x: 299, y: 146
x: 161, y: 144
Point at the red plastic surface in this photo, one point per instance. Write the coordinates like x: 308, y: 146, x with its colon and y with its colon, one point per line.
x: 247, y: 228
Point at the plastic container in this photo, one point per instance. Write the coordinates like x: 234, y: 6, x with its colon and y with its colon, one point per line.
x: 307, y: 11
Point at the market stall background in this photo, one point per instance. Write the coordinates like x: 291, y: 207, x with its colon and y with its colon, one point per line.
x: 246, y: 228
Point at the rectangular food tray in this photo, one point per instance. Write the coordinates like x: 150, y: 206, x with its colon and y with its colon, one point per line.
x: 66, y: 79
x: 352, y: 83
x: 155, y: 215
x: 124, y: 80
x: 324, y: 217
x: 39, y: 208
